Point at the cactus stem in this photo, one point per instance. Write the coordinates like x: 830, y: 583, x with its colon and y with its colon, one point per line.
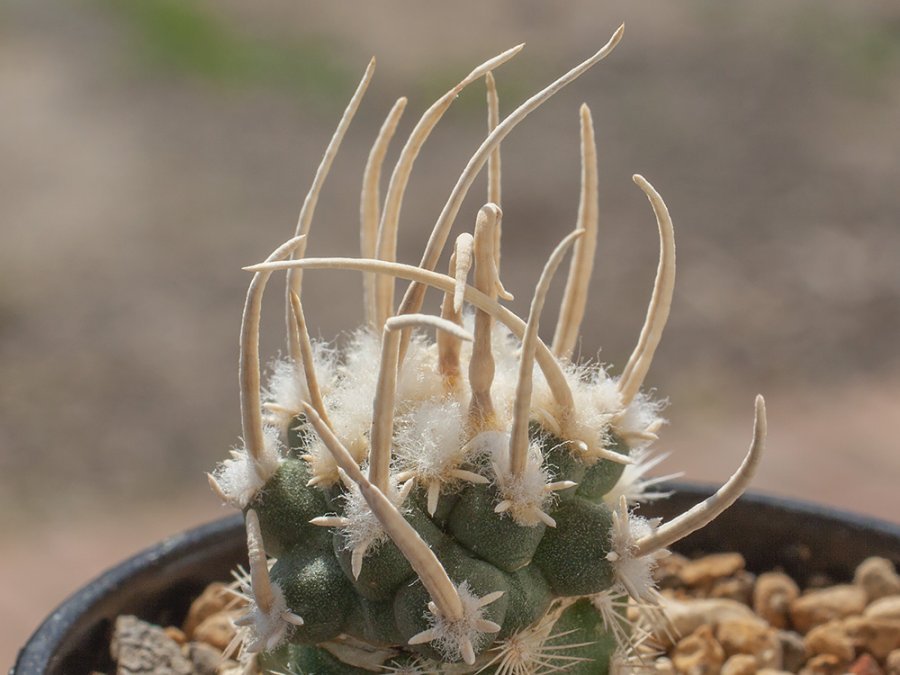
x: 415, y: 293
x: 553, y: 373
x: 451, y: 310
x: 464, y: 257
x: 383, y: 412
x: 660, y: 301
x: 643, y: 436
x: 404, y: 476
x: 251, y: 415
x: 603, y: 453
x: 304, y: 220
x: 356, y: 559
x: 434, y: 492
x: 216, y: 488
x: 306, y: 359
x: 518, y: 438
x: 571, y: 312
x: 315, y: 480
x: 387, y: 229
x: 423, y: 637
x: 433, y: 575
x: 469, y: 476
x: 709, y: 509
x: 269, y: 406
x: 330, y: 521
x: 481, y: 364
x: 259, y: 568
x: 370, y: 202
x: 560, y: 485
x: 268, y: 619
x: 493, y: 119
x: 494, y: 174
x: 386, y: 389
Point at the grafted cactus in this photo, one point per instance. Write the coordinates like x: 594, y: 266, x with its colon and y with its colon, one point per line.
x: 459, y: 505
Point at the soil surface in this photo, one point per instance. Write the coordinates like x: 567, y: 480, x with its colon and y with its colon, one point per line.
x: 719, y: 619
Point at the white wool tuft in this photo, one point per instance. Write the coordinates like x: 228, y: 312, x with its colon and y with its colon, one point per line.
x: 595, y: 408
x: 634, y: 574
x: 241, y: 477
x: 419, y: 378
x: 349, y: 405
x: 527, y: 493
x: 429, y: 440
x: 364, y: 530
x: 450, y: 635
x: 642, y: 414
x: 260, y: 630
x: 287, y: 389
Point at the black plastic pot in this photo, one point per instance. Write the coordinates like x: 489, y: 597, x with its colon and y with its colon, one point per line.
x: 159, y: 583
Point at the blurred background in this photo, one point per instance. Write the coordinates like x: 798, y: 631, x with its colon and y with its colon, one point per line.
x: 150, y: 148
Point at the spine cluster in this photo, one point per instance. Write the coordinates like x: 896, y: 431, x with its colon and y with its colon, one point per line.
x: 458, y: 503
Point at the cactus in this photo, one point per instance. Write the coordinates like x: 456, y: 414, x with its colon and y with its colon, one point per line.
x: 459, y: 505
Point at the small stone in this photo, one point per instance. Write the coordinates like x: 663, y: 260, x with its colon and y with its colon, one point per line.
x: 879, y: 637
x: 877, y: 577
x: 686, y: 616
x: 740, y: 636
x: 793, y: 650
x: 139, y: 647
x: 709, y: 568
x: 865, y: 665
x: 664, y: 666
x: 772, y: 597
x: 740, y: 664
x: 830, y: 638
x: 825, y: 664
x: 698, y: 653
x: 206, y: 659
x: 884, y: 608
x: 772, y: 671
x: 738, y: 588
x: 823, y: 605
x: 217, y: 630
x: 214, y: 599
x: 175, y: 634
x: 668, y: 569
x: 892, y: 663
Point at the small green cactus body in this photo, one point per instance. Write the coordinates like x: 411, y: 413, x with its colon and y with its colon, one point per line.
x: 316, y: 589
x: 582, y: 634
x: 494, y: 537
x: 573, y: 556
x: 601, y: 477
x: 285, y: 506
x: 435, y: 507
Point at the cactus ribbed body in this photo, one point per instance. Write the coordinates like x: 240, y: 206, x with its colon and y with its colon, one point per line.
x: 456, y: 505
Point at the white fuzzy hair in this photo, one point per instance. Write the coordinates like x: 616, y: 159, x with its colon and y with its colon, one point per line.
x: 430, y: 439
x: 240, y: 477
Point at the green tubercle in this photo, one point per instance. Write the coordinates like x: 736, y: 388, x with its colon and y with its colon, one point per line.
x: 573, y: 555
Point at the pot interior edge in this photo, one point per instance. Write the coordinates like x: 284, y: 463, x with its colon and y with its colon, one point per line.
x: 157, y: 584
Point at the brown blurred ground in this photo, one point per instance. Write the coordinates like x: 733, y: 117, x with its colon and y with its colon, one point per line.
x: 149, y: 150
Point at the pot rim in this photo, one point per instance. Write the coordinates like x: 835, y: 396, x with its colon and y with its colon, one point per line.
x: 36, y: 655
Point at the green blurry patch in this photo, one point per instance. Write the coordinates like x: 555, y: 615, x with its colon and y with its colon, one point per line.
x: 864, y: 52
x: 188, y: 38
